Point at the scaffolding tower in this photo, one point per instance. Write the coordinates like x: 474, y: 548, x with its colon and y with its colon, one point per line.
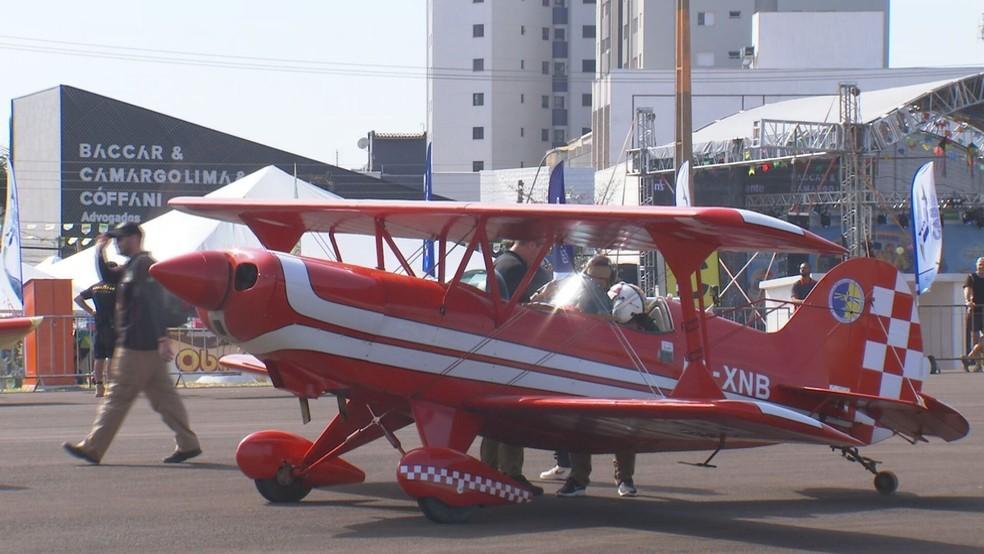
x: 856, y: 175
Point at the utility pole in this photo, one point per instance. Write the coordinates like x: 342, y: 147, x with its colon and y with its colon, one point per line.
x: 684, y: 113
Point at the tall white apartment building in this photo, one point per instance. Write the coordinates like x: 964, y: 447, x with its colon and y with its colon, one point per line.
x: 511, y: 79
x: 508, y: 80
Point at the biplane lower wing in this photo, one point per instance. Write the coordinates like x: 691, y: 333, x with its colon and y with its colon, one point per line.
x: 924, y: 417
x: 660, y: 420
x: 243, y: 362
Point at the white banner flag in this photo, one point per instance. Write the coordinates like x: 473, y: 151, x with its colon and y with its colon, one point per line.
x: 927, y: 231
x: 683, y: 185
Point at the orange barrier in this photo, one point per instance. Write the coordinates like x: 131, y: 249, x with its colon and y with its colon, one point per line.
x: 48, y: 351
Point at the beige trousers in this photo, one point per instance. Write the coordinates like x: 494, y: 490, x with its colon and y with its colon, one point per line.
x: 624, y: 463
x: 501, y: 456
x: 133, y: 372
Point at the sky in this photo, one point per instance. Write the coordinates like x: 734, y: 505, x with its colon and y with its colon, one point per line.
x: 310, y: 77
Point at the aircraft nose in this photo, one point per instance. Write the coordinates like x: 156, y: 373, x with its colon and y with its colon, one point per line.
x: 199, y: 278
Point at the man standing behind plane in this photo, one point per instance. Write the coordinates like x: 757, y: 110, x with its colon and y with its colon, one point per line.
x: 103, y: 296
x: 142, y: 350
x: 803, y: 287
x: 512, y: 266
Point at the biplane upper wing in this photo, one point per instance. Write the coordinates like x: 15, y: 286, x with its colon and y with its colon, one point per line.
x: 279, y: 224
x: 655, y: 420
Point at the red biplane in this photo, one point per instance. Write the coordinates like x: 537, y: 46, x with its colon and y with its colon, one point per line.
x: 458, y: 360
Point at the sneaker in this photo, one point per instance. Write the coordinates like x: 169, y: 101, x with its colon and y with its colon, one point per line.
x: 522, y: 480
x: 627, y: 488
x: 967, y: 363
x: 572, y: 488
x: 556, y: 473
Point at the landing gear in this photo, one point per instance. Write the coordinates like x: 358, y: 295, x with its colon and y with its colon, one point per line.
x: 439, y: 512
x: 283, y: 488
x: 885, y: 481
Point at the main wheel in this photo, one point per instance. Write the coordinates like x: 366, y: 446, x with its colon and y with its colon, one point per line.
x: 273, y: 491
x: 439, y: 512
x: 886, y: 482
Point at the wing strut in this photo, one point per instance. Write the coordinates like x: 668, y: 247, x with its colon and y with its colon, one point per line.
x: 684, y: 259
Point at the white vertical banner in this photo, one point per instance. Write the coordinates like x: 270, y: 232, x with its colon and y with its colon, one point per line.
x: 683, y: 185
x: 11, y: 294
x: 927, y: 231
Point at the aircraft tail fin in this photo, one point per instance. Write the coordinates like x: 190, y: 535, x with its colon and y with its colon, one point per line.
x: 860, y: 328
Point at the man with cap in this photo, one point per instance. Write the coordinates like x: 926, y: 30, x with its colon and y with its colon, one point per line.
x: 143, y: 349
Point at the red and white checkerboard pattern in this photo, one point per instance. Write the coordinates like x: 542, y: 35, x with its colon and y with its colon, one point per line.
x: 892, y: 365
x: 461, y: 481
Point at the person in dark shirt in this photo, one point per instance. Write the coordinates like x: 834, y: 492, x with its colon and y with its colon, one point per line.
x: 142, y: 350
x: 512, y: 266
x: 803, y: 287
x: 103, y: 296
x: 974, y: 298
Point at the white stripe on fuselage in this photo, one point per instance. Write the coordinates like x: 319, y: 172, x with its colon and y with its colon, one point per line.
x: 302, y: 337
x: 303, y: 300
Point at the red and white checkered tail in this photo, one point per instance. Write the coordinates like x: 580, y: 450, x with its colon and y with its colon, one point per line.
x: 861, y: 328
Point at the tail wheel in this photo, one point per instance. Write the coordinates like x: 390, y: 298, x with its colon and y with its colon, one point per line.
x: 886, y: 482
x: 439, y: 512
x: 272, y: 490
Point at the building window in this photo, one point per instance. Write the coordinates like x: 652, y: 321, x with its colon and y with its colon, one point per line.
x: 545, y: 135
x: 522, y: 64
x: 560, y: 34
x: 546, y: 33
x: 560, y: 68
x: 705, y: 19
x: 589, y: 1
x: 478, y: 165
x: 545, y: 68
x: 478, y: 99
x: 478, y: 64
x: 546, y: 3
x: 522, y: 98
x: 544, y: 101
x: 477, y: 1
x: 559, y: 136
x: 734, y: 54
x: 587, y: 66
x: 522, y: 132
x: 478, y: 30
x: 734, y: 14
x: 586, y: 99
x: 478, y: 133
x: 559, y: 102
x: 588, y: 31
x: 522, y: 29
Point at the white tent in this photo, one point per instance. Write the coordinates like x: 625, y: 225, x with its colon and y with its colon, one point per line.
x: 175, y: 233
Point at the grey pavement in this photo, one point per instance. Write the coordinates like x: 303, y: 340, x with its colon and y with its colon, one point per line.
x: 777, y: 498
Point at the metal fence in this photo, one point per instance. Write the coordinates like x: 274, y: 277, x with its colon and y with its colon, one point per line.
x: 68, y: 359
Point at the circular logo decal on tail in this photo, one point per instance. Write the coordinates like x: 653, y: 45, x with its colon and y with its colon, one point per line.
x: 846, y: 300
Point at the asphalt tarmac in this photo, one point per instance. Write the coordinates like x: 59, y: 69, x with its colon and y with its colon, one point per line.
x: 768, y: 499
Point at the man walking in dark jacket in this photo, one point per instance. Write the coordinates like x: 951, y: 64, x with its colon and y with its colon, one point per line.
x: 142, y: 350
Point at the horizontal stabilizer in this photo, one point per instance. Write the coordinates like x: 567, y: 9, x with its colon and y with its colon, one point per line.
x: 925, y: 417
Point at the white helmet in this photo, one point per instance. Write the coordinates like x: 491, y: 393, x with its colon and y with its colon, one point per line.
x: 627, y: 301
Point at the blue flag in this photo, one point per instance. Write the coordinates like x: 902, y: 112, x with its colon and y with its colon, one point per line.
x: 562, y: 256
x: 927, y: 231
x: 428, y: 260
x: 11, y: 248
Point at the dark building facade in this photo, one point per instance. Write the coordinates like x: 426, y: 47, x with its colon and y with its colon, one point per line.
x: 398, y: 157
x: 86, y: 161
